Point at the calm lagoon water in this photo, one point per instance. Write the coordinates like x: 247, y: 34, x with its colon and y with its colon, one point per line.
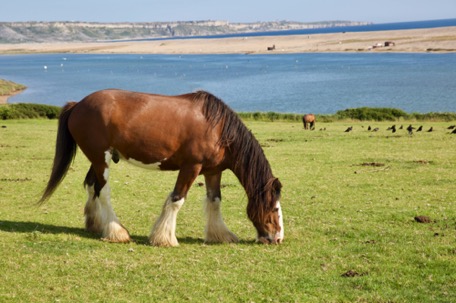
x: 293, y: 83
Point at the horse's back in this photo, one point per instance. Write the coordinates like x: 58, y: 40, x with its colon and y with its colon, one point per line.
x: 308, y: 118
x: 145, y: 127
x: 119, y: 109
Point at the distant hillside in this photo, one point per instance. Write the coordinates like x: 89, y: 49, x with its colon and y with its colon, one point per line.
x: 22, y: 32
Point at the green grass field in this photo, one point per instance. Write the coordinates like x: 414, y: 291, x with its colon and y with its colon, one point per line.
x: 349, y: 202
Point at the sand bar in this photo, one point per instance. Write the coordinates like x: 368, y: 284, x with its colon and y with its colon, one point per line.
x: 417, y: 40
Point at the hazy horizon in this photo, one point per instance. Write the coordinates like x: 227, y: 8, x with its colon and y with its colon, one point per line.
x: 233, y: 11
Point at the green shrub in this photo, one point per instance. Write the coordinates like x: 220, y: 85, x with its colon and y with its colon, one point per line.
x: 372, y: 114
x: 6, y: 112
x: 28, y: 111
x: 434, y: 116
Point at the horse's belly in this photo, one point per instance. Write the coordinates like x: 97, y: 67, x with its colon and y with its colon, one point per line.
x: 152, y: 166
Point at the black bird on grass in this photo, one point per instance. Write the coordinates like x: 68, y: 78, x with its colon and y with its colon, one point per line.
x: 369, y: 128
x: 454, y: 131
x: 349, y: 129
x: 391, y: 127
x: 420, y: 128
x: 410, y: 129
x: 402, y: 127
x: 451, y: 127
x: 376, y: 129
x: 431, y: 130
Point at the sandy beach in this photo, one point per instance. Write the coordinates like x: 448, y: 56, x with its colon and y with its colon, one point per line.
x: 417, y: 40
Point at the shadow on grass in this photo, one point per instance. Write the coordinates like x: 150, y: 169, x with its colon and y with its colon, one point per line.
x: 30, y: 227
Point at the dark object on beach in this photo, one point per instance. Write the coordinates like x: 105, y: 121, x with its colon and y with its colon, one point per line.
x: 271, y: 48
x: 349, y: 129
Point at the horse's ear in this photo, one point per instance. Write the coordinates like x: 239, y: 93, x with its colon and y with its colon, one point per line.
x: 277, y: 187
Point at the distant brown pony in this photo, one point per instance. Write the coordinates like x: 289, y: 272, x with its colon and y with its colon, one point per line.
x: 194, y: 133
x: 309, y: 120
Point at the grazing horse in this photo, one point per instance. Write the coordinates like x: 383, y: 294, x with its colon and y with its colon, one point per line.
x: 194, y: 133
x: 309, y: 120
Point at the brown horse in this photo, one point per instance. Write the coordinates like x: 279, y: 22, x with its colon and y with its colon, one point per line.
x: 194, y: 133
x: 309, y: 120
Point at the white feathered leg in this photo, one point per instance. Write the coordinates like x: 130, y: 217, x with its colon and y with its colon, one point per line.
x: 101, y: 218
x: 216, y: 230
x: 164, y: 230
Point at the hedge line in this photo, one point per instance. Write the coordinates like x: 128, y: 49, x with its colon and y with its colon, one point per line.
x: 30, y: 110
x: 360, y: 114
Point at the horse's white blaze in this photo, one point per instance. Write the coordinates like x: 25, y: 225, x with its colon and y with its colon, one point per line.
x: 216, y: 230
x: 280, y: 235
x: 164, y: 230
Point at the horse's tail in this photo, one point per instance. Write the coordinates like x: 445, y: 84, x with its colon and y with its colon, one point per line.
x: 65, y: 150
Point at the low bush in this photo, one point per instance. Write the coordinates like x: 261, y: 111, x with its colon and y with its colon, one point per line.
x: 372, y: 114
x: 28, y: 111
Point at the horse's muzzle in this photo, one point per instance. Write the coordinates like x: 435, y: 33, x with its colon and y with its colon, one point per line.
x: 278, y: 239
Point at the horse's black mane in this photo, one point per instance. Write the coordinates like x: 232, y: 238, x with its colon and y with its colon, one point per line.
x: 249, y: 162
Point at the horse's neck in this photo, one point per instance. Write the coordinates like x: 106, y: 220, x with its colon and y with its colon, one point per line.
x: 253, y: 173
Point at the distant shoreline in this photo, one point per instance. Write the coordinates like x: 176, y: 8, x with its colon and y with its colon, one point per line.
x: 4, y: 98
x: 9, y: 89
x: 441, y: 40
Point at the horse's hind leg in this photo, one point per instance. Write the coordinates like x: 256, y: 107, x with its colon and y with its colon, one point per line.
x: 100, y: 217
x: 215, y: 231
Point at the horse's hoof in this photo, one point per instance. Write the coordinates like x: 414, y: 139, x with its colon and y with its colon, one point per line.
x: 163, y: 243
x: 116, y: 233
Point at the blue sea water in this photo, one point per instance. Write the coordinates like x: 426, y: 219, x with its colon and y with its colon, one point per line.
x: 289, y: 83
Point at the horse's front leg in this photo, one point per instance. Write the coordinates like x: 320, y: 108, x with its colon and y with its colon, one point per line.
x: 164, y: 230
x: 216, y: 230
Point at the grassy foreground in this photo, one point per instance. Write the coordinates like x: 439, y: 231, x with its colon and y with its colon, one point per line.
x: 349, y: 202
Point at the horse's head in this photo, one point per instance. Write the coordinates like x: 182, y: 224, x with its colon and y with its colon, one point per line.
x: 269, y: 221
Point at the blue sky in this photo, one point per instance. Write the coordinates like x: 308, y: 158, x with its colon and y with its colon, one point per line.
x: 378, y: 11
